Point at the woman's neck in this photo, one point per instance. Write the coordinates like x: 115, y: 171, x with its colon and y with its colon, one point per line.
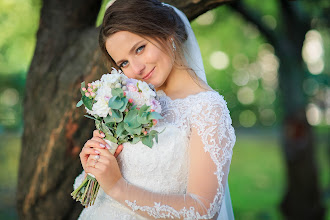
x: 180, y: 83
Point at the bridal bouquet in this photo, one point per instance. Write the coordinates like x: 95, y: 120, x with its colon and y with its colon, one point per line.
x: 125, y: 110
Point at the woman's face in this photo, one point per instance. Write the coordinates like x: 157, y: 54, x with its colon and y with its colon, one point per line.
x: 139, y: 58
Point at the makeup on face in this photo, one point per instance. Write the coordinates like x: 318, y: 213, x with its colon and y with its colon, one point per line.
x: 139, y: 58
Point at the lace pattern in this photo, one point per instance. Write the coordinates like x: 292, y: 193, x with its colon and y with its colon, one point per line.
x: 166, y: 168
x: 213, y: 127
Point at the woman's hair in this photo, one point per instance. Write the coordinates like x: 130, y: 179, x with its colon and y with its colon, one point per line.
x: 149, y: 19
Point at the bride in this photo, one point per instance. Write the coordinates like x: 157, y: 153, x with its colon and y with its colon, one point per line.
x: 185, y: 175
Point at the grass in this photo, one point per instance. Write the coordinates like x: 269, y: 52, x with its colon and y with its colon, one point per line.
x: 257, y: 176
x: 10, y: 146
x: 256, y: 179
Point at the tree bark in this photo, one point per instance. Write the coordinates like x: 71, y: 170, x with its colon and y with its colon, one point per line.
x: 302, y: 199
x: 55, y: 130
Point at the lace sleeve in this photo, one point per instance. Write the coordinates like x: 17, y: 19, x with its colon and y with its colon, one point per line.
x: 211, y: 141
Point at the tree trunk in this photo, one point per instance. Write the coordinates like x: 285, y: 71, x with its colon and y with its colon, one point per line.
x: 55, y: 130
x: 302, y: 199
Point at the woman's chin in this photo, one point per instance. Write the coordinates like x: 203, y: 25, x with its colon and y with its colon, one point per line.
x: 156, y: 85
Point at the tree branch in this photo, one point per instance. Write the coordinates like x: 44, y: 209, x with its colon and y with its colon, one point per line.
x: 194, y: 8
x: 255, y: 18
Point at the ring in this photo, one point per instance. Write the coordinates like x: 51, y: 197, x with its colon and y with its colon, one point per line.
x: 97, y: 157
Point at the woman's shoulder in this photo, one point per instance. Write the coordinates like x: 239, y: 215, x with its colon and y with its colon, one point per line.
x: 205, y: 95
x: 209, y: 100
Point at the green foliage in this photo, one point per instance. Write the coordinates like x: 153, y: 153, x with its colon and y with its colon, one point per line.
x: 154, y: 115
x: 19, y: 22
x: 80, y: 103
x: 118, y: 101
x: 131, y: 119
x: 88, y: 102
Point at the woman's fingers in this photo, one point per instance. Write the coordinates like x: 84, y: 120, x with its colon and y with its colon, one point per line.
x: 100, y: 140
x: 94, y: 144
x: 118, y: 150
x: 98, y: 133
x: 88, y: 151
x: 93, y: 159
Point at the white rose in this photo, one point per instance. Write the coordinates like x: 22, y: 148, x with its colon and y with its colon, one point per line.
x: 115, y: 71
x: 146, y: 90
x: 112, y: 78
x: 104, y: 92
x: 101, y: 108
x: 89, y: 111
x: 138, y: 98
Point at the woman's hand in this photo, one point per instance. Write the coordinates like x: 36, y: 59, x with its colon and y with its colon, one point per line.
x: 105, y: 168
x: 99, y: 135
x: 93, y: 145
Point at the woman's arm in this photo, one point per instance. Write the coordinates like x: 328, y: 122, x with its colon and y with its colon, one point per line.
x: 211, y: 143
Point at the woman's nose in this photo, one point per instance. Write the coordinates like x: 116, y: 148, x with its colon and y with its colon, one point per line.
x: 137, y: 67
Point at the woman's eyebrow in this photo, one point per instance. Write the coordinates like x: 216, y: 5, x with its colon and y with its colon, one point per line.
x: 131, y: 51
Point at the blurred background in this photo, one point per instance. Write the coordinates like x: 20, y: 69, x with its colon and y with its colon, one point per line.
x: 241, y: 64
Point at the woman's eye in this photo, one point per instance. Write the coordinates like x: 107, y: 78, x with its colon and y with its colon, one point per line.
x: 140, y: 49
x: 123, y: 64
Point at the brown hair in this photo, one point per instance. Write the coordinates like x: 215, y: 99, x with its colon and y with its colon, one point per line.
x: 148, y: 19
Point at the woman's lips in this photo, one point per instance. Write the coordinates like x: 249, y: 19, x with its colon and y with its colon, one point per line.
x: 149, y: 74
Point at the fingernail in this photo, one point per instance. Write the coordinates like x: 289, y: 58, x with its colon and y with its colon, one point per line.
x: 108, y: 146
x: 98, y: 152
x: 102, y: 135
x: 102, y: 145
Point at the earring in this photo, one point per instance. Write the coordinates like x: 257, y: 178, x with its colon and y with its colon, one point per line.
x: 173, y: 45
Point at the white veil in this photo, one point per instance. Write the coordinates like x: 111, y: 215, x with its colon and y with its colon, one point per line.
x: 194, y: 58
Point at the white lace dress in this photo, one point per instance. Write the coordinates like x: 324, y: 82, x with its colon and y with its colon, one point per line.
x: 184, y: 176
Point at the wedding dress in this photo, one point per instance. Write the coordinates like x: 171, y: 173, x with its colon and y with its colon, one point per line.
x: 185, y: 174
x: 165, y: 169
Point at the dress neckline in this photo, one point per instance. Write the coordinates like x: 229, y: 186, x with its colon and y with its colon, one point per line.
x: 161, y: 93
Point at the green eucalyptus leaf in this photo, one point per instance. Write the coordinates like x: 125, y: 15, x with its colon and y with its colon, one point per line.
x: 117, y: 92
x: 142, y: 119
x: 131, y: 119
x: 124, y: 105
x: 82, y: 85
x: 153, y: 133
x: 132, y: 130
x: 115, y: 102
x: 111, y: 138
x: 123, y: 137
x: 87, y: 102
x: 154, y: 115
x: 80, y: 103
x: 116, y: 113
x: 107, y: 119
x: 117, y: 116
x: 135, y: 140
x: 87, y: 116
x: 105, y: 129
x: 147, y: 140
x: 143, y: 109
x: 133, y: 107
x: 120, y: 128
